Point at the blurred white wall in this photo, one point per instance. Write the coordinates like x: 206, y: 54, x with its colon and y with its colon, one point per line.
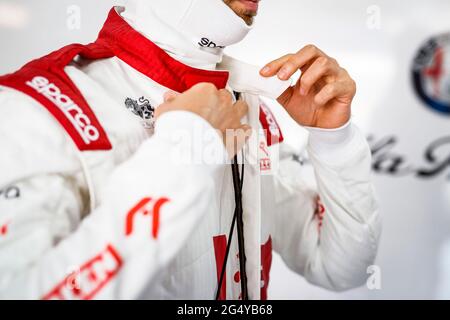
x: 376, y: 41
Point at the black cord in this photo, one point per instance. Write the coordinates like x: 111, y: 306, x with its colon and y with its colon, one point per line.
x: 230, y: 238
x: 238, y: 183
x: 240, y: 228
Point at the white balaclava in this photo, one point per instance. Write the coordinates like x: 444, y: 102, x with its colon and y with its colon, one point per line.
x: 192, y: 31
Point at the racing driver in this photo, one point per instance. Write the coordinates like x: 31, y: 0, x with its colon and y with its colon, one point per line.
x: 95, y: 202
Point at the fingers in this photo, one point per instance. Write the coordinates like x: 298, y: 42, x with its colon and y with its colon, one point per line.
x: 241, y: 108
x: 168, y: 97
x: 243, y: 134
x: 272, y: 68
x: 215, y: 106
x: 225, y: 96
x: 235, y: 139
x: 287, y: 65
x: 321, y: 67
x: 329, y: 92
x: 247, y: 129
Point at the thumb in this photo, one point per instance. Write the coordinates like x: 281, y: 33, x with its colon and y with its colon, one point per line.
x: 163, y: 108
x: 247, y: 131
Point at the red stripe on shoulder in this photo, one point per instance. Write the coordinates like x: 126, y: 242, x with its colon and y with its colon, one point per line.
x: 45, y: 81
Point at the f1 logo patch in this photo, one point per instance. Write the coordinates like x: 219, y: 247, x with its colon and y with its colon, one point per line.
x: 147, y: 207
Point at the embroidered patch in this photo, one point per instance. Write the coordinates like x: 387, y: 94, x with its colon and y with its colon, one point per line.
x: 143, y: 109
x: 86, y: 282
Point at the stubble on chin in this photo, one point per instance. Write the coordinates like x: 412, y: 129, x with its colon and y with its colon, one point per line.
x: 246, y: 15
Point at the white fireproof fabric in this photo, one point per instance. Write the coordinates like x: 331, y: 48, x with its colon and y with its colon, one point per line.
x: 53, y: 234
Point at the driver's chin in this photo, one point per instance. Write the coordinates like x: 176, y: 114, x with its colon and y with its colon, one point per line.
x: 241, y: 11
x: 247, y: 18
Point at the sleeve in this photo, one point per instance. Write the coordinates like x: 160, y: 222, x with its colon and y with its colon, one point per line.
x: 328, y: 230
x: 151, y: 206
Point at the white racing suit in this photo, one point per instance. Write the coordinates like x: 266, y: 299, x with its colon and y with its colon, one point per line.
x: 92, y: 204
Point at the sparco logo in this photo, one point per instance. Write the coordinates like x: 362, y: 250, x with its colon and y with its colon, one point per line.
x: 79, y: 120
x: 205, y: 42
